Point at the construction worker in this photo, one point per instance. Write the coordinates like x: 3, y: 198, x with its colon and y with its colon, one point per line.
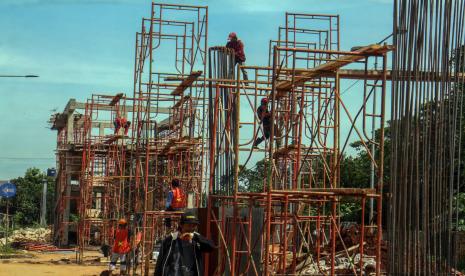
x: 121, y: 122
x: 239, y: 54
x: 121, y: 246
x: 117, y: 124
x: 176, y: 199
x: 265, y: 120
x: 181, y: 252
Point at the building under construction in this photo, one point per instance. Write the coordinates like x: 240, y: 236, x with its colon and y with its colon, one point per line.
x: 197, y: 123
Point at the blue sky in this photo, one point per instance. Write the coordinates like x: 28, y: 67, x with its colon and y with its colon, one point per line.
x: 80, y: 47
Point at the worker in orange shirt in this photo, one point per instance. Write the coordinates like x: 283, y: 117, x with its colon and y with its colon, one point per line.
x: 121, y: 246
x: 176, y: 199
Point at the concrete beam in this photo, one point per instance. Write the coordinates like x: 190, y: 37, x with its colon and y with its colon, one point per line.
x: 129, y: 108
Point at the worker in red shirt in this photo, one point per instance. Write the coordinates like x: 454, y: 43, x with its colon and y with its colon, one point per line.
x: 239, y: 54
x: 176, y: 199
x: 121, y: 122
x: 121, y: 246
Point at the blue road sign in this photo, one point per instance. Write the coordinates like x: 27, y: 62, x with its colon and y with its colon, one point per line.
x: 51, y: 172
x: 7, y: 190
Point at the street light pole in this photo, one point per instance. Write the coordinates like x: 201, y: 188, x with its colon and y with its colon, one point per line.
x: 19, y: 76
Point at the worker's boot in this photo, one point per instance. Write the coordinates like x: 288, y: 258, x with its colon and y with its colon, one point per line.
x: 245, y: 76
x: 257, y: 142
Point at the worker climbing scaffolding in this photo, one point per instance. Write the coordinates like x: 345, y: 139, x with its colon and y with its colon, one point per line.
x: 265, y: 120
x: 264, y: 115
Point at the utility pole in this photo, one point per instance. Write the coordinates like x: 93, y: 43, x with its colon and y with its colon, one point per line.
x: 43, y: 211
x: 51, y: 172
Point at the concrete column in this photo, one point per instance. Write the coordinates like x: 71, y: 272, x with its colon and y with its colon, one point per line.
x: 101, y: 129
x: 64, y: 238
x: 70, y: 128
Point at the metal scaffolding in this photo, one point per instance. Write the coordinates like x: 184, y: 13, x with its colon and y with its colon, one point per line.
x: 168, y: 123
x: 103, y: 170
x: 193, y: 117
x: 292, y: 225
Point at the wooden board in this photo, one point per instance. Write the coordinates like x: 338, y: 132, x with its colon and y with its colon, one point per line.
x: 185, y: 83
x: 116, y: 99
x: 333, y: 65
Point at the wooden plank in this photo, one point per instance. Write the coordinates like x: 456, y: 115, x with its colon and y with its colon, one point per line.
x: 284, y: 151
x: 185, y: 83
x: 334, y: 65
x: 116, y: 99
x: 181, y: 101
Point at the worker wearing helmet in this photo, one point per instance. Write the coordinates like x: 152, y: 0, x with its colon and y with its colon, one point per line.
x: 265, y: 119
x: 181, y: 252
x: 239, y: 54
x: 121, y: 122
x: 121, y: 246
x: 176, y: 199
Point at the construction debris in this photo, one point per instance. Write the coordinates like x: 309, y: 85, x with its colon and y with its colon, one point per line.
x: 29, y: 235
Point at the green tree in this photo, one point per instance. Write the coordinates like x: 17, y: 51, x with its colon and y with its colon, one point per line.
x: 25, y: 206
x: 252, y: 180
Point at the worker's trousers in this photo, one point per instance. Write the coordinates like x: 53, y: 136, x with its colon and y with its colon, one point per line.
x: 114, y: 260
x: 245, y: 76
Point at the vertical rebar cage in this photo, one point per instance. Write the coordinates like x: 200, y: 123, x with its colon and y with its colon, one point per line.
x: 426, y: 127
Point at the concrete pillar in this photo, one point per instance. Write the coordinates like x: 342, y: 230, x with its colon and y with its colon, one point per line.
x: 101, y: 129
x: 70, y: 128
x: 64, y: 238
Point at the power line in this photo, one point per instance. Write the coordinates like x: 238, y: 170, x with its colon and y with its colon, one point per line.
x: 27, y: 158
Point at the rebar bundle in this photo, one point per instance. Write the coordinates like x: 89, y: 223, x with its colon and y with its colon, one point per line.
x: 221, y: 68
x: 426, y: 114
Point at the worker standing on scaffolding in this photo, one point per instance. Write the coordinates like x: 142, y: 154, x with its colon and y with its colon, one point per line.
x: 239, y: 54
x: 121, y: 246
x: 121, y: 122
x: 181, y: 252
x: 176, y: 199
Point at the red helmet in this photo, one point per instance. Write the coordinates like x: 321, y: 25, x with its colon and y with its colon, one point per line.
x: 232, y: 35
x: 264, y: 100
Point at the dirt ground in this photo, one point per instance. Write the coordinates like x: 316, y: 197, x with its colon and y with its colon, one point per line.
x: 53, y: 264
